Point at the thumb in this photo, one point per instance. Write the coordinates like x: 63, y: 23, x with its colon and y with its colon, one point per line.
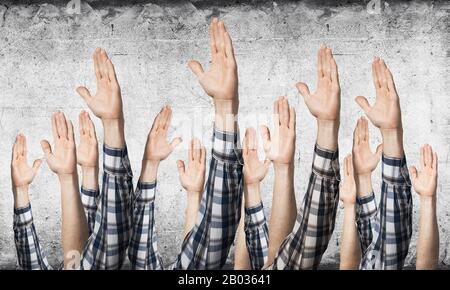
x: 413, y: 173
x: 36, y: 164
x: 175, y: 142
x: 363, y: 103
x: 46, y: 148
x: 195, y: 67
x: 379, y: 151
x: 303, y: 90
x: 267, y: 163
x: 181, y: 167
x: 84, y: 93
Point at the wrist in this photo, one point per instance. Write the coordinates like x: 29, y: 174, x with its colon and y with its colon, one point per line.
x: 226, y: 107
x: 363, y: 184
x: 65, y: 178
x: 149, y: 170
x: 283, y: 167
x: 113, y: 130
x: 427, y: 197
x: 89, y: 170
x: 21, y: 197
x: 327, y: 134
x: 393, y: 142
x: 251, y: 187
x: 252, y: 196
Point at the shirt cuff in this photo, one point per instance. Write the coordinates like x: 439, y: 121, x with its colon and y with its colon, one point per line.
x: 366, y: 206
x: 145, y: 192
x: 116, y: 162
x: 254, y: 217
x: 23, y: 216
x: 326, y: 163
x: 226, y: 147
x: 395, y: 171
x: 88, y: 198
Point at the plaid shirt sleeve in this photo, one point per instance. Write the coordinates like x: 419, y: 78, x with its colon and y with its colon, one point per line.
x: 366, y: 211
x: 207, y: 245
x: 256, y: 236
x: 391, y: 226
x: 29, y: 252
x: 106, y: 247
x: 304, y: 247
x: 89, y: 200
x: 143, y: 251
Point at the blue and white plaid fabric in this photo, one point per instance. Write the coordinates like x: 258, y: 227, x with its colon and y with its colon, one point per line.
x: 89, y: 200
x: 385, y: 232
x: 106, y: 247
x: 304, y: 247
x: 256, y: 236
x: 29, y: 253
x: 207, y: 245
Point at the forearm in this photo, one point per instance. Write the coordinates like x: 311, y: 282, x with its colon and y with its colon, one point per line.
x: 192, y: 208
x: 241, y: 256
x: 428, y: 241
x: 393, y: 142
x: 350, y: 252
x: 114, y: 136
x: 74, y: 226
x: 283, y: 208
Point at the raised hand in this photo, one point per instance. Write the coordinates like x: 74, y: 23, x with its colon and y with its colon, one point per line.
x: 192, y: 178
x: 347, y: 189
x: 107, y: 102
x: 157, y: 147
x: 325, y: 102
x: 364, y: 160
x: 254, y: 169
x: 425, y: 181
x: 87, y: 151
x: 280, y: 146
x: 221, y: 80
x: 385, y: 112
x: 62, y: 160
x: 22, y: 174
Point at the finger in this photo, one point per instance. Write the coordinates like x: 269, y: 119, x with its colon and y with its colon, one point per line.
x: 70, y: 135
x: 361, y: 130
x: 15, y: 149
x: 435, y: 162
x: 212, y: 40
x: 346, y: 165
x: 378, y: 72
x: 267, y: 163
x: 111, y: 71
x: 24, y: 145
x: 303, y: 90
x: 220, y: 39
x: 203, y: 156
x: 350, y: 165
x: 215, y: 33
x: 320, y: 72
x: 156, y: 121
x: 251, y: 137
x: 428, y: 155
x: 168, y: 118
x: 81, y: 123
x: 102, y: 63
x: 413, y: 173
x: 95, y: 57
x: 46, y: 148
x: 62, y: 125
x: 379, y: 151
x: 382, y: 72
x: 327, y: 63
x: 85, y: 94
x: 196, y: 68
x: 265, y: 135
x: 229, y: 51
x: 422, y: 157
x: 365, y: 127
x: 284, y: 112
x: 376, y: 80
x: 197, y: 149
x: 245, y: 144
x: 91, y: 127
x: 390, y: 81
x: 175, y: 142
x: 181, y: 167
x: 36, y: 164
x: 334, y: 70
x: 20, y: 144
x: 356, y: 134
x: 292, y: 118
x: 191, y: 151
x: 276, y: 113
x: 363, y: 103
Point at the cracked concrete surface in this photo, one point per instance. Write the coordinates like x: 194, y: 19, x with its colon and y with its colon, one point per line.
x: 45, y: 53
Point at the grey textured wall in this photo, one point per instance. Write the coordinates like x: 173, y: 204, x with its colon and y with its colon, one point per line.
x: 45, y: 53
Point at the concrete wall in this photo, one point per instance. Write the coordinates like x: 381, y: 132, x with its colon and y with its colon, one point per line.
x: 45, y: 53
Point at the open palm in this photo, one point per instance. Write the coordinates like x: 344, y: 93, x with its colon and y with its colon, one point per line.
x: 364, y: 160
x: 425, y: 181
x: 254, y: 169
x: 107, y: 102
x: 325, y: 102
x: 87, y: 151
x: 347, y: 190
x: 192, y: 177
x: 22, y: 174
x: 221, y: 80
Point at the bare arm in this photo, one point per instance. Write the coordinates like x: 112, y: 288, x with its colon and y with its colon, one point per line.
x: 425, y: 183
